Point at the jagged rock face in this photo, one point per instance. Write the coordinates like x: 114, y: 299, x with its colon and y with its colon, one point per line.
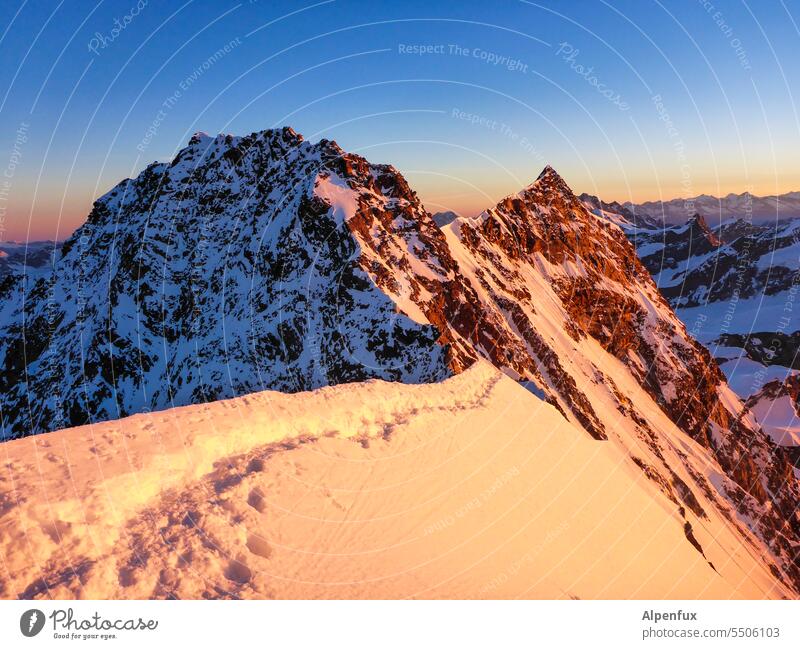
x: 729, y: 231
x: 244, y: 264
x: 267, y: 262
x: 734, y: 286
x: 790, y: 387
x: 600, y: 284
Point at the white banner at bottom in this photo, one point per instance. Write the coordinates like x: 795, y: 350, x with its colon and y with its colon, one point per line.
x: 388, y: 624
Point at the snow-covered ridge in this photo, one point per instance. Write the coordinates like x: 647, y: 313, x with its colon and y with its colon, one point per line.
x: 467, y: 488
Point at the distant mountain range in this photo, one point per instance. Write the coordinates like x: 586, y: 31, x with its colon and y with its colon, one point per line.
x: 718, y: 209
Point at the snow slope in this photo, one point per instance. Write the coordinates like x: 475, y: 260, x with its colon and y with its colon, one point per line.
x: 779, y: 418
x: 469, y: 488
x: 776, y: 406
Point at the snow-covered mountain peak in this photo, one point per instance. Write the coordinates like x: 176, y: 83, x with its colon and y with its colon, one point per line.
x: 245, y: 263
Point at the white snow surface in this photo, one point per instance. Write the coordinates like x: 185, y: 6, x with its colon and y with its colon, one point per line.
x: 746, y: 377
x: 468, y: 488
x: 779, y: 419
x: 758, y: 313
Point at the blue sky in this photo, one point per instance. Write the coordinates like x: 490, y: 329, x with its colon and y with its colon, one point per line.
x: 631, y: 100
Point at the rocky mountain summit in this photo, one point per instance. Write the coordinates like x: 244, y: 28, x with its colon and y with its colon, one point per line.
x: 268, y: 262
